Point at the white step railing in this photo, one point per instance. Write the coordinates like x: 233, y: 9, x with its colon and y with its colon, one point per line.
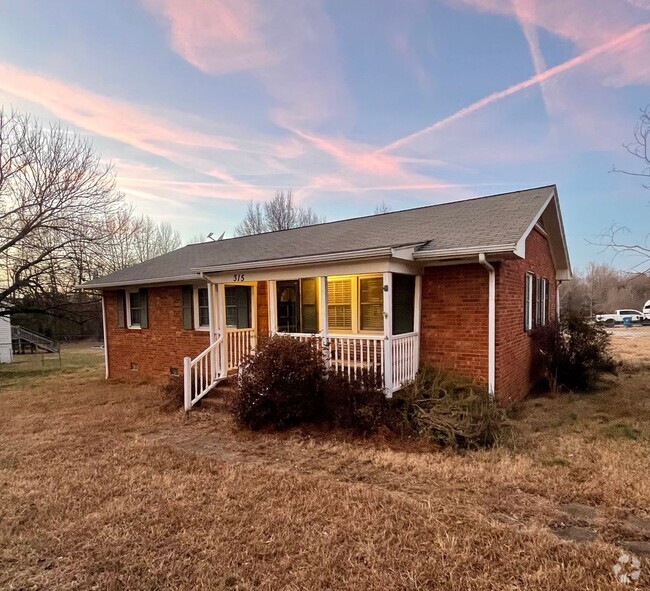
x: 241, y: 343
x: 405, y: 359
x: 202, y: 373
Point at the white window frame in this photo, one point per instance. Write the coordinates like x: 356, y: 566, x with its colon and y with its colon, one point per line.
x: 195, y: 305
x: 529, y: 308
x: 128, y: 309
x: 355, y: 303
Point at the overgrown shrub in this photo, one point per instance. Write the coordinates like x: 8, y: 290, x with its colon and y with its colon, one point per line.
x: 575, y: 352
x: 358, y: 404
x: 173, y: 394
x: 449, y: 410
x: 280, y: 386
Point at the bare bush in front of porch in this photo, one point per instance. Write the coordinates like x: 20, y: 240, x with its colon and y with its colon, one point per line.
x: 358, y: 404
x: 448, y: 410
x: 280, y: 386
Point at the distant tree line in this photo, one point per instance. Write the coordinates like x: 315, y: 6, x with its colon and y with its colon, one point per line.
x: 601, y: 288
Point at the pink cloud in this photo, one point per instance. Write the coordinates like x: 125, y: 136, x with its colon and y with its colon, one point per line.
x: 290, y: 47
x: 130, y: 124
x: 616, y: 43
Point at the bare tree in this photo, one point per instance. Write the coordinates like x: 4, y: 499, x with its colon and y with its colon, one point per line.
x: 613, y: 237
x: 382, y: 207
x: 280, y: 213
x: 602, y: 288
x: 55, y: 193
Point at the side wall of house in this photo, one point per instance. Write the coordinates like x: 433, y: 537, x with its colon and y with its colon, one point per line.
x: 153, y: 352
x: 455, y: 319
x: 518, y: 366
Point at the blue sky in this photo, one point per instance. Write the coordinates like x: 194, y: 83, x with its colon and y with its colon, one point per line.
x: 203, y: 105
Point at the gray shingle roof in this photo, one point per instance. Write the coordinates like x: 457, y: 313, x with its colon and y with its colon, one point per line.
x: 493, y: 221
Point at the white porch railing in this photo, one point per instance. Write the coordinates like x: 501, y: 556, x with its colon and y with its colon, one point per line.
x: 354, y: 354
x: 405, y: 359
x: 241, y: 343
x: 202, y: 373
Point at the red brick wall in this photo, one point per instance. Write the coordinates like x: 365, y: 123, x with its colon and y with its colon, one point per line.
x: 455, y: 319
x: 262, y: 308
x: 518, y: 366
x: 162, y: 346
x: 155, y: 349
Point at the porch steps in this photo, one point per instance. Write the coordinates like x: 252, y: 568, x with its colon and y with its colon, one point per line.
x: 220, y: 396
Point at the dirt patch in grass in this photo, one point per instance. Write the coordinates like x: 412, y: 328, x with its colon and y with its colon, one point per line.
x: 100, y: 488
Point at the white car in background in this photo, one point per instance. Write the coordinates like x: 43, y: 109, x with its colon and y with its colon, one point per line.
x: 646, y: 310
x: 619, y: 317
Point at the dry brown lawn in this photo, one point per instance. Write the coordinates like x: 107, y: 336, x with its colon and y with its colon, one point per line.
x: 101, y: 489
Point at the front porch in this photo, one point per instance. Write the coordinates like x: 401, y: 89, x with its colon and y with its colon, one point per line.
x: 362, y: 322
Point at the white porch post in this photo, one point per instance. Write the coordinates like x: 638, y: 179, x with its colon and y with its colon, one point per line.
x: 221, y: 328
x: 212, y: 295
x: 211, y: 318
x: 417, y: 322
x: 324, y: 328
x: 388, y: 334
x: 273, y: 307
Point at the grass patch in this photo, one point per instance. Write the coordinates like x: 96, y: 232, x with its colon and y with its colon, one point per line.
x: 622, y: 431
x: 100, y: 489
x: 30, y: 366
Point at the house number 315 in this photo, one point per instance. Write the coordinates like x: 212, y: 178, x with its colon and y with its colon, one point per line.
x: 238, y: 277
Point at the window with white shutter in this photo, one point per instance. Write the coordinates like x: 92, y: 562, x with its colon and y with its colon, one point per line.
x: 339, y: 303
x: 371, y: 303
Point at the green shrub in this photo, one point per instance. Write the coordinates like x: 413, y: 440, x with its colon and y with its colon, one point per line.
x: 449, y: 410
x: 280, y: 386
x: 358, y: 404
x: 575, y: 352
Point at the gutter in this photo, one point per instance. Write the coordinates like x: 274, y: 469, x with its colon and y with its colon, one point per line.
x: 491, y: 323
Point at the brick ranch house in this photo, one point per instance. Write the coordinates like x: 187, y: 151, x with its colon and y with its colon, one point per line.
x: 459, y: 285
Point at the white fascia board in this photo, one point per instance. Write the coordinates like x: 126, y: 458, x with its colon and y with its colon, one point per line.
x: 303, y: 260
x: 133, y: 282
x: 520, y: 247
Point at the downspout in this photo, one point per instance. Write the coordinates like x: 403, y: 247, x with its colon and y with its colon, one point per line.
x: 491, y: 322
x: 105, y: 338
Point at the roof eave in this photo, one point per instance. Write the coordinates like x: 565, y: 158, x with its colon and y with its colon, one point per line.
x: 133, y: 282
x: 303, y: 260
x: 454, y: 253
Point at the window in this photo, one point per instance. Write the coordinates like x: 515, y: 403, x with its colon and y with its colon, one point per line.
x: 202, y: 307
x: 403, y: 303
x: 544, y: 301
x: 136, y: 308
x: 309, y: 305
x: 339, y: 303
x: 528, y: 301
x: 238, y: 306
x: 371, y: 304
